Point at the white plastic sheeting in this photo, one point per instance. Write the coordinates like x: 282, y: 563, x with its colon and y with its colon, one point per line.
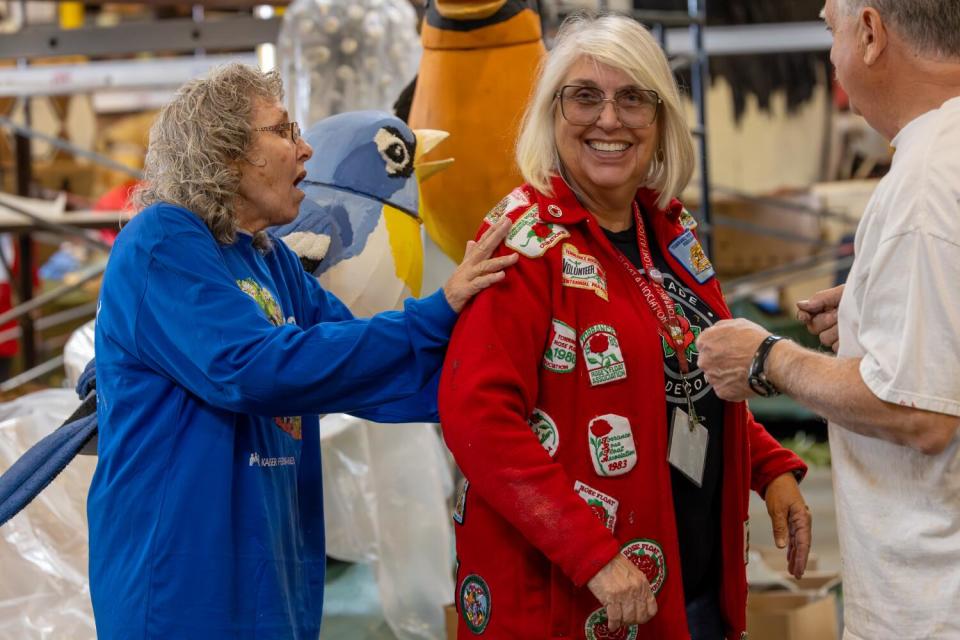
x: 386, y: 490
x: 44, y: 592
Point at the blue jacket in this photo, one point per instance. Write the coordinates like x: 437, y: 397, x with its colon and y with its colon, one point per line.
x: 206, y: 508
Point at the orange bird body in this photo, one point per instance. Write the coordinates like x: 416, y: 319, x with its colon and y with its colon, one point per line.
x: 479, y: 63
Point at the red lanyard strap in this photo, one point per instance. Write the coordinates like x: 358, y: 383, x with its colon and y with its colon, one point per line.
x: 657, y: 298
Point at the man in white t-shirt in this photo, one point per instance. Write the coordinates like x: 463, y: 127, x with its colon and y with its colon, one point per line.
x: 892, y: 394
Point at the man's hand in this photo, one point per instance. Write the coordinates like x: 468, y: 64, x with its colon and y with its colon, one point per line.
x: 791, y: 521
x: 478, y: 271
x: 726, y: 352
x: 624, y: 591
x: 819, y: 315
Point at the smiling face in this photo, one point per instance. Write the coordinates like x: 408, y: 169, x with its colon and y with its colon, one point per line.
x: 604, y: 158
x: 270, y: 172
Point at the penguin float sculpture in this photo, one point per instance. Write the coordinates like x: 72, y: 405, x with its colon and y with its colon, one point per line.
x: 479, y: 62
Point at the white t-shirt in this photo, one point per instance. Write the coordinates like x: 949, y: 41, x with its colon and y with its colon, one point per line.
x: 898, y: 510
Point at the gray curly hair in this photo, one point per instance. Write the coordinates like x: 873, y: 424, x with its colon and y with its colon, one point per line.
x: 195, y: 141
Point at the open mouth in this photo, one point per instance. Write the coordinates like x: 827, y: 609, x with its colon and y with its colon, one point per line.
x: 608, y: 147
x: 300, y: 178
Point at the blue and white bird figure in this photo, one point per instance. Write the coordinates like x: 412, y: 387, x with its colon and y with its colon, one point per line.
x: 358, y: 229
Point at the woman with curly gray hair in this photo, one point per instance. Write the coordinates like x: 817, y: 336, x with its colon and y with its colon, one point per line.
x: 215, y: 353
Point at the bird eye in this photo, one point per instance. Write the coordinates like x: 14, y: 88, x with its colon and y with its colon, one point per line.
x: 395, y: 151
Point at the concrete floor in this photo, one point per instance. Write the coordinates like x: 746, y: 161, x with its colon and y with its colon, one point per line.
x: 351, y: 605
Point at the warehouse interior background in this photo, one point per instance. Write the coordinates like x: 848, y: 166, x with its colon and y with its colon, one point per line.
x: 784, y: 172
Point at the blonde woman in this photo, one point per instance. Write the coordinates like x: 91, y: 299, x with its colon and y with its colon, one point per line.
x: 607, y: 485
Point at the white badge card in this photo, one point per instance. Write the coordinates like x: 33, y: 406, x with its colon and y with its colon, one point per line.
x: 687, y: 450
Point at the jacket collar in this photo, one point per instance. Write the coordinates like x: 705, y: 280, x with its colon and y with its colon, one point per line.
x: 564, y: 208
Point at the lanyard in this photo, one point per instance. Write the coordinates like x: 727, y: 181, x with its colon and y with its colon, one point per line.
x: 656, y: 297
x: 660, y: 304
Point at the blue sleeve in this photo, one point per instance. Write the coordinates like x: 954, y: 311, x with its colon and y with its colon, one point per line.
x: 420, y: 407
x: 194, y: 324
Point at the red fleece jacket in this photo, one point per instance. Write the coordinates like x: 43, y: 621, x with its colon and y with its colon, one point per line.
x: 565, y: 448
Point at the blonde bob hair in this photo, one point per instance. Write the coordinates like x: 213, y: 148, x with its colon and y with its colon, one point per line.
x: 621, y: 43
x: 196, y: 143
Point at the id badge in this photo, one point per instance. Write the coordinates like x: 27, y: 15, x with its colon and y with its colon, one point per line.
x: 688, y: 446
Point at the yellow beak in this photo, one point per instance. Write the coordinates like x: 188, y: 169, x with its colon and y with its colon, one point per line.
x: 427, y: 140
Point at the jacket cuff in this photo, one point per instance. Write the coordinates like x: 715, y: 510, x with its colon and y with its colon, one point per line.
x: 591, y: 563
x: 435, y: 311
x: 797, y: 467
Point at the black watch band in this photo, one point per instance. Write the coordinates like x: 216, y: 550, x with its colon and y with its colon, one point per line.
x: 757, y: 378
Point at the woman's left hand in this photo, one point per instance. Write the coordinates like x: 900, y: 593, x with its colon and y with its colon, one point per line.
x: 791, y: 520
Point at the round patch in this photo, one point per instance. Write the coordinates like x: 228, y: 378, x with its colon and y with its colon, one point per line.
x: 596, y: 628
x: 647, y: 555
x: 554, y: 211
x: 546, y: 430
x: 475, y: 603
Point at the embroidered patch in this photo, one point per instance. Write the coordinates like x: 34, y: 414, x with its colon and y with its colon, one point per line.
x: 293, y: 425
x: 688, y: 252
x: 545, y: 429
x: 611, y: 443
x: 647, y: 555
x: 474, y: 603
x: 554, y: 211
x: 583, y: 271
x: 602, y: 354
x: 690, y: 333
x: 531, y: 237
x: 264, y: 300
x: 596, y: 628
x: 513, y: 200
x: 603, y: 505
x: 461, y: 507
x: 687, y: 221
x: 561, y: 354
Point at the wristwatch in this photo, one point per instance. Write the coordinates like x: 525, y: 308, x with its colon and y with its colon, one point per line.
x: 757, y: 378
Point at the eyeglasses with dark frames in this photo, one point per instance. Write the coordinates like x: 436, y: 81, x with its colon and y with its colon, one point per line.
x: 635, y: 108
x: 293, y: 127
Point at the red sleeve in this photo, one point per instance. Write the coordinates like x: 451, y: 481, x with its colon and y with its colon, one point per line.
x: 768, y: 459
x: 488, y: 388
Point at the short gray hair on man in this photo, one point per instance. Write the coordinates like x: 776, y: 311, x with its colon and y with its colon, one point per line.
x: 197, y: 139
x: 622, y: 43
x: 931, y: 26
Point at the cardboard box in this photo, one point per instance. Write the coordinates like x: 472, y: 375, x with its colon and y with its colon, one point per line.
x: 781, y: 615
x: 451, y: 618
x: 776, y: 559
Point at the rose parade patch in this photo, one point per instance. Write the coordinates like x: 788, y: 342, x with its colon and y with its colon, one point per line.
x: 545, y: 429
x: 612, y: 449
x: 531, y: 237
x: 561, y: 353
x: 647, y: 555
x: 602, y: 354
x: 596, y: 628
x: 583, y: 271
x: 603, y: 506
